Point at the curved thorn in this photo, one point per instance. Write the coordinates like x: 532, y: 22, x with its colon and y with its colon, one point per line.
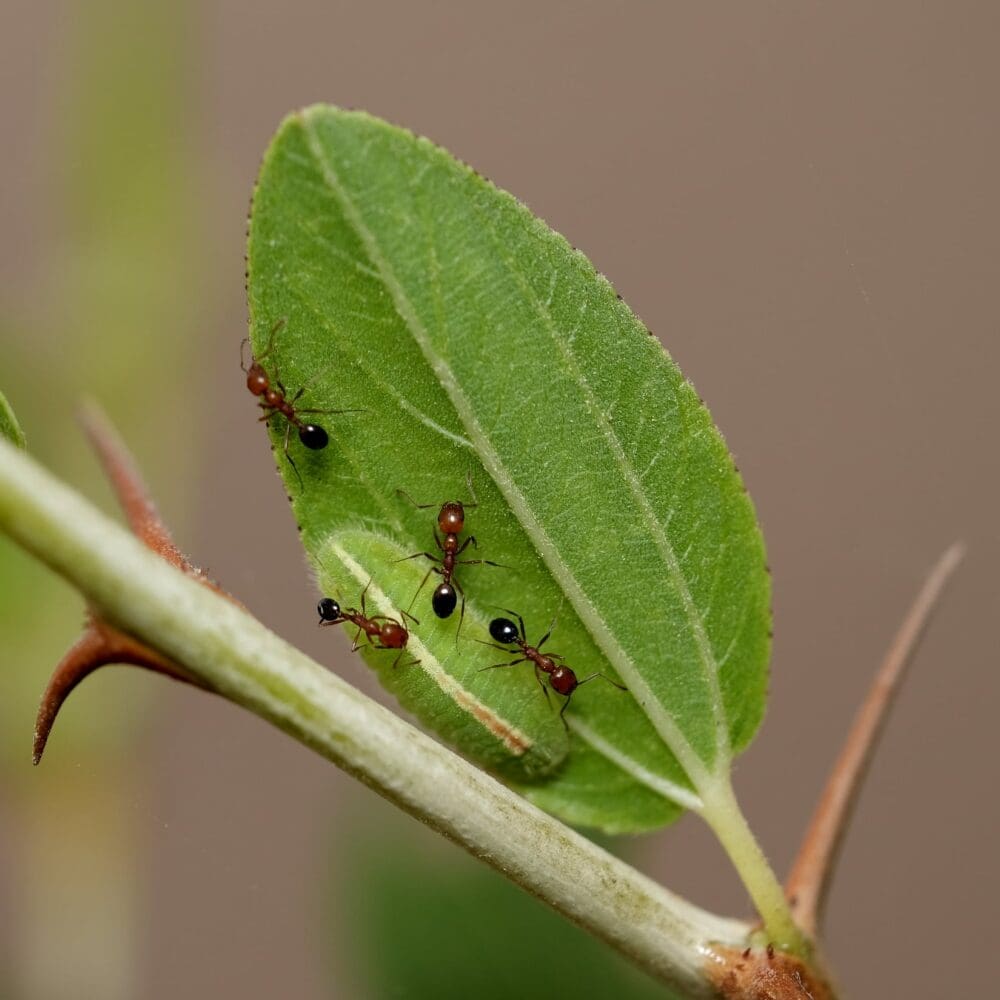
x: 810, y: 876
x: 99, y: 645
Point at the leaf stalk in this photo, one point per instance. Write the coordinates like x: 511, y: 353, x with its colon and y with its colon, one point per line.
x: 722, y: 812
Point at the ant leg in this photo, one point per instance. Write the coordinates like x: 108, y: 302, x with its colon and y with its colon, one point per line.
x: 396, y: 663
x: 313, y: 409
x: 417, y: 555
x: 471, y: 540
x: 438, y: 540
x: 357, y: 641
x: 403, y: 493
x: 461, y: 613
x: 493, y: 645
x: 621, y: 687
x: 363, y: 593
x: 416, y: 621
x: 497, y: 666
x: 562, y: 712
x: 541, y: 684
x: 422, y: 582
x: 545, y: 637
x: 267, y: 350
x: 291, y: 461
x: 481, y: 562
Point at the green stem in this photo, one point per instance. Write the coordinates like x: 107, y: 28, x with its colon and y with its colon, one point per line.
x: 234, y: 655
x: 722, y: 812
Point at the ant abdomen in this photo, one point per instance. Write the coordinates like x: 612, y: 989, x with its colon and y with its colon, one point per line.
x: 328, y: 610
x: 313, y: 436
x: 444, y: 599
x: 504, y: 630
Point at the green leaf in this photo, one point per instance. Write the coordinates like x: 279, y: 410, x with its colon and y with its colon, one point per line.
x: 386, y: 276
x: 9, y: 427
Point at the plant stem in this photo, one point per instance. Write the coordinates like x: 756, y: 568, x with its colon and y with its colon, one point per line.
x: 723, y: 814
x: 234, y: 655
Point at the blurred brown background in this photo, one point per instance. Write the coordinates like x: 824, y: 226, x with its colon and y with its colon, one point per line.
x: 800, y: 200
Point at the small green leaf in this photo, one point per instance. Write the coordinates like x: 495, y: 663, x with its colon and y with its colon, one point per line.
x: 387, y: 277
x: 9, y: 427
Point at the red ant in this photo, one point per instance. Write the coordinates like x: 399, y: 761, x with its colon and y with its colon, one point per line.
x: 390, y: 632
x: 451, y: 522
x: 274, y: 400
x: 561, y: 677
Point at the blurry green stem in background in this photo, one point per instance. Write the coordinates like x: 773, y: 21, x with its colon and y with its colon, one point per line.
x: 9, y: 427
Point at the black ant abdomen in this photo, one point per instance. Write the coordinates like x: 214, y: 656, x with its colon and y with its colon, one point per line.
x: 444, y: 600
x: 328, y: 609
x: 313, y: 436
x: 504, y: 630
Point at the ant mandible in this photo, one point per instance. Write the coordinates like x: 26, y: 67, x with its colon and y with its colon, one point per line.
x: 451, y: 522
x: 274, y: 399
x: 390, y: 633
x: 562, y: 678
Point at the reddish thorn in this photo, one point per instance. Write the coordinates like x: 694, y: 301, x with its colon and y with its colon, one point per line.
x: 809, y: 881
x: 130, y: 489
x: 100, y: 644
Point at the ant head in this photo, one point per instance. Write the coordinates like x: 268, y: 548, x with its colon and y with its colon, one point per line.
x: 451, y: 520
x: 329, y: 610
x: 257, y: 381
x: 313, y: 437
x: 504, y: 630
x: 444, y: 600
x: 563, y: 680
